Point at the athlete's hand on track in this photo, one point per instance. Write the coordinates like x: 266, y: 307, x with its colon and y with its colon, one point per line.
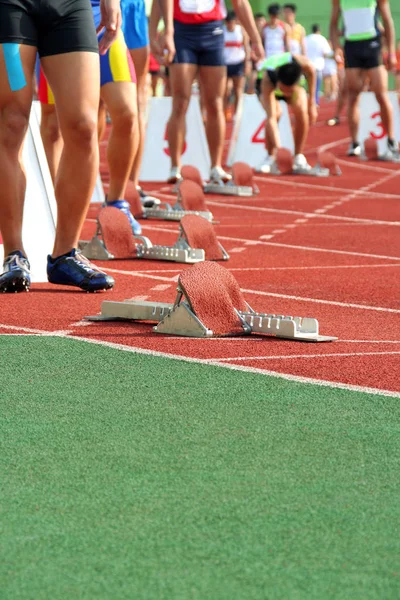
x: 312, y: 112
x: 258, y: 51
x: 110, y: 21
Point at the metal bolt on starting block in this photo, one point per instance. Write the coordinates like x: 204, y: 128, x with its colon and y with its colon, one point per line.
x: 208, y: 304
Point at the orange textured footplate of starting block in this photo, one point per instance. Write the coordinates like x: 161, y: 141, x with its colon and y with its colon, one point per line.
x: 191, y: 196
x: 192, y: 173
x: 327, y: 160
x: 242, y: 174
x: 117, y: 233
x: 199, y: 233
x: 214, y: 294
x: 371, y: 149
x: 135, y: 204
x: 284, y: 161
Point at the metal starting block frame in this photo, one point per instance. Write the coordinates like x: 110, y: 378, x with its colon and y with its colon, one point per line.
x: 166, y: 212
x: 228, y: 189
x: 316, y: 171
x: 180, y: 252
x: 180, y: 320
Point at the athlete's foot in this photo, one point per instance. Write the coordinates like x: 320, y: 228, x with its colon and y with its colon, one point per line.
x: 300, y: 163
x: 217, y: 174
x: 265, y: 166
x: 392, y: 152
x: 354, y: 150
x: 75, y: 270
x: 333, y: 122
x: 123, y: 205
x: 16, y: 275
x: 174, y: 175
x: 146, y: 200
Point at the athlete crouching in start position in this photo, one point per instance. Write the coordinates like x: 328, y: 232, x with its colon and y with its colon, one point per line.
x: 281, y: 82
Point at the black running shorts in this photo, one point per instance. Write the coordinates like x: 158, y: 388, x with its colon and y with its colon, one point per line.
x: 52, y: 26
x: 363, y: 54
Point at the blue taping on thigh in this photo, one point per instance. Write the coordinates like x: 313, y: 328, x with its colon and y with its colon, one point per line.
x: 15, y: 71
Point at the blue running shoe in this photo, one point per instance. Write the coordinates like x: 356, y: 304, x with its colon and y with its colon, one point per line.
x: 76, y: 270
x: 16, y: 276
x: 124, y: 206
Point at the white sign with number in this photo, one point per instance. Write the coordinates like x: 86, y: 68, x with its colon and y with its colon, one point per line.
x: 156, y: 162
x: 248, y: 138
x: 371, y: 125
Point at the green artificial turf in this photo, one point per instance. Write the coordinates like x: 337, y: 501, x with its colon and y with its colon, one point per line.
x: 128, y: 476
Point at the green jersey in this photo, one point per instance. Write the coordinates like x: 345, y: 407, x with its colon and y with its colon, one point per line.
x: 359, y: 19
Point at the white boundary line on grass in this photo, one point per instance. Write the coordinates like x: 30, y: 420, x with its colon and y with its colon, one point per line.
x: 210, y: 362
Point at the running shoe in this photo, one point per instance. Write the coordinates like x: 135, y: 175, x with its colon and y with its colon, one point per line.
x: 146, y: 200
x: 391, y: 153
x: 174, y: 175
x: 265, y: 166
x: 123, y: 205
x: 300, y: 163
x: 218, y: 174
x: 16, y: 275
x: 354, y: 150
x: 334, y: 121
x: 75, y: 270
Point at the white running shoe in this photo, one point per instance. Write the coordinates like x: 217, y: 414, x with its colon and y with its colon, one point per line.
x: 218, y: 174
x: 300, y: 163
x: 391, y: 153
x: 265, y: 165
x: 354, y: 150
x: 174, y: 175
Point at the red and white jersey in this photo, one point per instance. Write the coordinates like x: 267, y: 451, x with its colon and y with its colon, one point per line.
x: 194, y: 12
x: 234, y: 52
x: 274, y: 39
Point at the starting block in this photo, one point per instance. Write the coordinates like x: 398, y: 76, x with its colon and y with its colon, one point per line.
x: 370, y: 151
x: 283, y: 165
x: 327, y: 160
x: 241, y: 185
x: 209, y: 303
x: 114, y: 240
x: 190, y: 202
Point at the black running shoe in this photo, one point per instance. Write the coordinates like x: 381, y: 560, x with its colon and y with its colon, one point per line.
x: 146, y: 200
x: 75, y: 269
x: 16, y: 276
x: 354, y: 150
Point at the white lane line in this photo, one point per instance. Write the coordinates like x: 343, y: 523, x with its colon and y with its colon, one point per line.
x: 313, y: 267
x: 160, y: 288
x: 139, y: 274
x: 370, y: 341
x: 237, y: 250
x: 320, y: 301
x: 265, y: 372
x: 296, y: 356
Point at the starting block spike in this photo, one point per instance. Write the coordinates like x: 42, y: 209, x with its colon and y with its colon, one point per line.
x: 210, y: 303
x: 118, y: 242
x: 197, y: 232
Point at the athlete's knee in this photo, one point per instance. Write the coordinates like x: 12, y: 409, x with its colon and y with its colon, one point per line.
x: 50, y: 128
x: 214, y: 106
x: 382, y: 97
x: 14, y: 124
x: 352, y: 96
x: 180, y: 105
x: 125, y: 120
x: 82, y: 130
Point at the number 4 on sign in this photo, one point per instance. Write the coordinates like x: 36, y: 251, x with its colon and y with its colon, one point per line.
x: 166, y: 148
x: 381, y: 133
x: 259, y: 136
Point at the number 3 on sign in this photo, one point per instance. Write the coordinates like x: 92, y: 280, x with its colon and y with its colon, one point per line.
x: 380, y: 130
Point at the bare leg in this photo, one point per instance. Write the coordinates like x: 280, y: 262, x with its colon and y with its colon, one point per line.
x: 181, y: 78
x: 77, y: 114
x: 51, y: 137
x: 355, y: 80
x: 238, y: 88
x: 213, y: 82
x: 14, y: 118
x: 140, y: 57
x: 379, y: 84
x: 302, y: 124
x: 120, y: 98
x: 102, y: 120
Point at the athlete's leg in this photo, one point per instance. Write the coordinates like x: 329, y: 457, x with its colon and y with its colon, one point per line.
x: 77, y: 113
x: 269, y: 140
x: 102, y: 120
x: 120, y: 98
x: 140, y: 57
x: 238, y: 88
x: 51, y: 137
x: 181, y: 77
x: 228, y: 92
x: 378, y: 78
x: 299, y: 104
x: 15, y: 107
x: 213, y: 82
x: 354, y: 85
